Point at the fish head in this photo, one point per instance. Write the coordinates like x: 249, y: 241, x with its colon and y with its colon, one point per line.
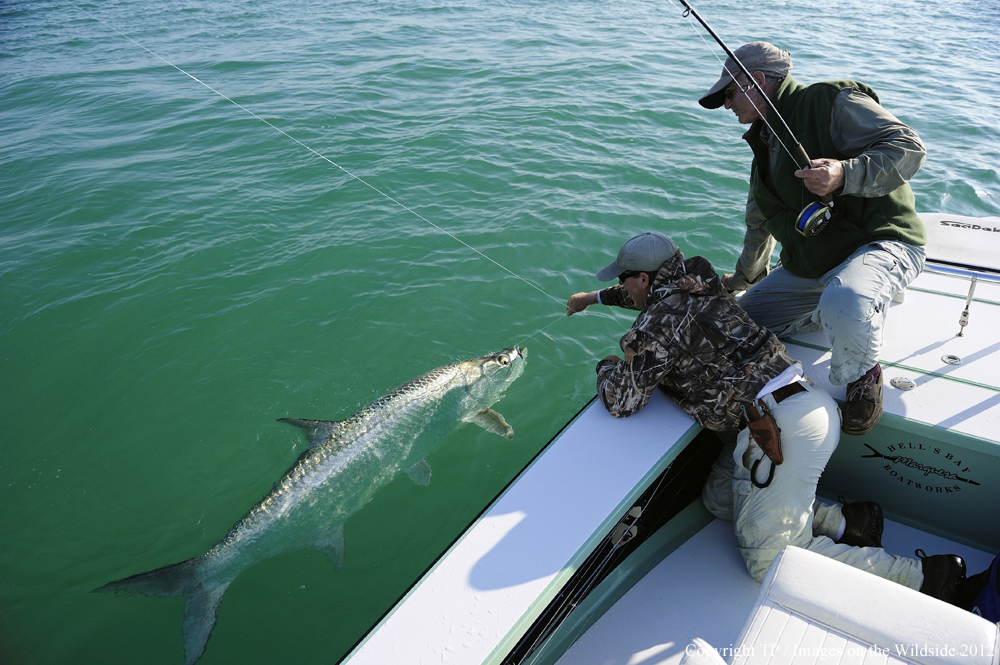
x: 486, y: 378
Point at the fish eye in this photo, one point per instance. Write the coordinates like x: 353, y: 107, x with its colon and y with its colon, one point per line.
x: 503, y: 360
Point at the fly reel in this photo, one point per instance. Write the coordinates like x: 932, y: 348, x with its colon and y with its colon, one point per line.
x: 814, y: 218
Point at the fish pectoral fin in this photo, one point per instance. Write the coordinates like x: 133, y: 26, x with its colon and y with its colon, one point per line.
x: 420, y: 473
x: 317, y: 431
x: 333, y: 547
x: 491, y: 421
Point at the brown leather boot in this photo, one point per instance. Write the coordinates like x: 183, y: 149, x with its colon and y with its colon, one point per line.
x: 864, y: 523
x: 944, y: 577
x: 863, y: 407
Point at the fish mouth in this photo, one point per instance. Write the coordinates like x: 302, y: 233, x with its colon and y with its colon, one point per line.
x: 515, y: 353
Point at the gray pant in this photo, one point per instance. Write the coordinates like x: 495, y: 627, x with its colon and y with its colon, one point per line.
x: 850, y: 302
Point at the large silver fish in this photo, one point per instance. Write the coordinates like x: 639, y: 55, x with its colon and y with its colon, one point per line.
x: 347, y: 462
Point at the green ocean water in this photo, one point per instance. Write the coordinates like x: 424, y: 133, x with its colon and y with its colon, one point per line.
x: 176, y: 273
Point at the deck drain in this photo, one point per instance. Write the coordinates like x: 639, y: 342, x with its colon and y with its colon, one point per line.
x: 903, y: 383
x: 952, y: 360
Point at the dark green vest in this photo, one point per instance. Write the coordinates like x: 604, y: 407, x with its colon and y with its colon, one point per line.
x: 807, y: 110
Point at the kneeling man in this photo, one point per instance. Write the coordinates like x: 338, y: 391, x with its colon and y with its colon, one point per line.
x: 693, y: 341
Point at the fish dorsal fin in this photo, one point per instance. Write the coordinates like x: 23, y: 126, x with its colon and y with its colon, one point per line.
x: 317, y: 431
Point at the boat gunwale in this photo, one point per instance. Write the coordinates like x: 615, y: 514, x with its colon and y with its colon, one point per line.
x: 600, y: 533
x: 458, y: 539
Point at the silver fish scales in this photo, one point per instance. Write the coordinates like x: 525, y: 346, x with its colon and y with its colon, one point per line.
x: 345, y: 465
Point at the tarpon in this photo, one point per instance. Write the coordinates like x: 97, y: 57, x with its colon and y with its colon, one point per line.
x: 346, y: 463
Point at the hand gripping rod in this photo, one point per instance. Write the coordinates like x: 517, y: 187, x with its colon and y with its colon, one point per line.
x: 798, y: 153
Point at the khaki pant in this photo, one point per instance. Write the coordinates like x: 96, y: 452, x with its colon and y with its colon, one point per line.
x: 850, y: 302
x: 786, y: 511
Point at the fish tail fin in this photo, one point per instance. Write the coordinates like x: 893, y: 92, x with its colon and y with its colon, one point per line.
x: 200, y: 611
x: 200, y: 614
x: 166, y: 582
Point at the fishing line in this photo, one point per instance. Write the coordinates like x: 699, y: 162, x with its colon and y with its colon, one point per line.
x: 542, y: 329
x: 326, y: 159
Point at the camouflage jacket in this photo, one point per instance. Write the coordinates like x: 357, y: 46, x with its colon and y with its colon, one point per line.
x: 695, y: 343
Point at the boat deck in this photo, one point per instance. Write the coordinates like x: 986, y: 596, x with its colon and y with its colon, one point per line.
x: 648, y: 626
x: 920, y: 333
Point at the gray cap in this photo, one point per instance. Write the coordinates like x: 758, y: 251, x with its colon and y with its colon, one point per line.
x: 756, y: 57
x: 645, y: 252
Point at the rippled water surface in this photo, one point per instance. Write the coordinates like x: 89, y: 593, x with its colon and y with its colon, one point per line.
x: 178, y: 270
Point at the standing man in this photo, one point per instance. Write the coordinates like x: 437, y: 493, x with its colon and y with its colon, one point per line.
x: 843, y: 278
x: 692, y: 340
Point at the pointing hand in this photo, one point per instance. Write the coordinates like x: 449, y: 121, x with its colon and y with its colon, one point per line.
x: 580, y: 301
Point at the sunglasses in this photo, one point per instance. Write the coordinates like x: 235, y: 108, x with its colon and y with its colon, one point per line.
x: 734, y: 88
x: 627, y: 274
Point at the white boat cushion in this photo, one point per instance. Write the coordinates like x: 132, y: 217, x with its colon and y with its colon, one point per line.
x: 971, y: 241
x: 812, y: 609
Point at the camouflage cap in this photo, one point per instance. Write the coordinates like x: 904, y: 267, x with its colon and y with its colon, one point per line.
x: 645, y: 252
x: 756, y: 57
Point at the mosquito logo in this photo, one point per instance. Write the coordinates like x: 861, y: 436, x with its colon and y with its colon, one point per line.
x: 911, y: 463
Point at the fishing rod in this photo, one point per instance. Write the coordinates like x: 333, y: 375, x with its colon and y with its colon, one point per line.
x: 800, y: 156
x: 815, y: 216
